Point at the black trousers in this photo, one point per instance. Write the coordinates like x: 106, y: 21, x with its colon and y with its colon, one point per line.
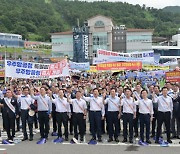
x: 27, y: 119
x: 43, y: 117
x: 35, y: 121
x: 18, y: 122
x: 154, y: 122
x: 54, y: 121
x: 78, y: 122
x: 9, y: 123
x: 136, y: 122
x: 113, y: 123
x: 95, y: 123
x: 128, y: 119
x: 144, y: 120
x: 62, y: 118
x: 163, y: 117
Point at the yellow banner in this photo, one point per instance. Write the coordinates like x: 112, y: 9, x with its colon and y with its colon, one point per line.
x: 93, y: 69
x: 154, y: 67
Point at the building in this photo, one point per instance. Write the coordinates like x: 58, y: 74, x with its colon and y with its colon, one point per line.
x: 119, y: 38
x: 100, y: 34
x: 62, y: 44
x: 169, y: 49
x: 138, y: 40
x: 11, y: 40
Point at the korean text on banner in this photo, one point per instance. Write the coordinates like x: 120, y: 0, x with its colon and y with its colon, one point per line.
x: 29, y: 70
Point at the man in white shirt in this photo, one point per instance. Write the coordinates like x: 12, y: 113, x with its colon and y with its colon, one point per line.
x: 113, y: 115
x: 62, y: 113
x: 44, y: 107
x: 26, y: 102
x: 79, y: 115
x: 145, y: 115
x: 165, y: 108
x: 129, y: 113
x: 96, y: 113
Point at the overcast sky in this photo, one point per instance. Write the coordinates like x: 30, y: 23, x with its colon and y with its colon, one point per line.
x: 149, y: 3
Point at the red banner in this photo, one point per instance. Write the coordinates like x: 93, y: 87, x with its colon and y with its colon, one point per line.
x: 173, y: 76
x: 119, y: 66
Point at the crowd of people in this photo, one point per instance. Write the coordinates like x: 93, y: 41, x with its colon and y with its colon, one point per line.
x: 100, y: 99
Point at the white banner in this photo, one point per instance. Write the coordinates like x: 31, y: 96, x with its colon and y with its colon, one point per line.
x: 104, y: 56
x: 79, y: 66
x: 29, y: 70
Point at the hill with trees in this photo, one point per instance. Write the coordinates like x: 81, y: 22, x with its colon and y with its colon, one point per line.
x: 36, y: 19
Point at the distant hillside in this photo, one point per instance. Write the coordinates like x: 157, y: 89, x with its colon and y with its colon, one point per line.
x: 173, y: 9
x: 35, y: 19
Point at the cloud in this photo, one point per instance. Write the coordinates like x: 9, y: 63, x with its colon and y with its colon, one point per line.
x: 149, y: 3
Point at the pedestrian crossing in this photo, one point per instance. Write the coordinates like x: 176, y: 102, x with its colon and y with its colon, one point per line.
x: 18, y: 136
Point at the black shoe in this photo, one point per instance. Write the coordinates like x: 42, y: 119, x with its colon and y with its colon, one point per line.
x: 169, y: 141
x: 99, y: 140
x: 152, y: 136
x: 81, y: 139
x: 31, y: 139
x: 157, y: 142
x: 136, y: 135
x: 71, y: 133
x: 110, y: 140
x: 116, y: 140
x: 148, y: 141
x: 130, y: 141
x: 173, y: 137
x: 24, y: 139
x: 124, y: 141
x: 93, y: 139
x: 66, y: 139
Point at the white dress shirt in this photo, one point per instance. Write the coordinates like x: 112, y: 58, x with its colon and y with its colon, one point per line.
x: 43, y: 103
x: 145, y: 106
x: 165, y: 104
x: 25, y: 101
x: 113, y: 103
x: 129, y: 105
x: 79, y: 106
x: 96, y: 104
x: 61, y: 105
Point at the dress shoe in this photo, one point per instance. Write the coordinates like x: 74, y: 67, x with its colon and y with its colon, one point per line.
x: 66, y: 139
x: 116, y: 140
x: 31, y: 139
x: 130, y: 141
x: 99, y: 140
x: 124, y: 141
x: 24, y: 139
x: 110, y: 140
x: 169, y: 141
x: 148, y: 141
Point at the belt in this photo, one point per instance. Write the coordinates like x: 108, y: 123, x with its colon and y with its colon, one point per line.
x: 95, y: 111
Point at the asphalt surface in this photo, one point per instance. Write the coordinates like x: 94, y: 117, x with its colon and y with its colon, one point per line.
x: 30, y: 147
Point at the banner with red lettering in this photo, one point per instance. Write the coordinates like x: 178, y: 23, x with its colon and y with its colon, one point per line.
x: 29, y: 70
x: 119, y: 66
x: 173, y: 76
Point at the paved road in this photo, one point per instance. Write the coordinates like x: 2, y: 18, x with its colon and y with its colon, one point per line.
x: 28, y: 147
